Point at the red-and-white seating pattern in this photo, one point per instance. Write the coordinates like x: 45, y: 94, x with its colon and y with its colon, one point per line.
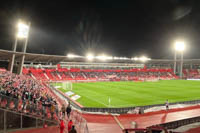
x: 78, y: 74
x: 191, y: 73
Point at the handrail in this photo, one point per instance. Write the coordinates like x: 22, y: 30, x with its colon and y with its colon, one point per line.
x: 29, y: 115
x: 19, y: 120
x: 37, y: 108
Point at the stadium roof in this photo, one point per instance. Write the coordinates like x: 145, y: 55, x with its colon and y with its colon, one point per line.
x: 5, y: 55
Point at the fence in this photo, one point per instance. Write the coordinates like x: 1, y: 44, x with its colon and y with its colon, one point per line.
x: 28, y: 107
x: 124, y: 110
x: 176, y: 124
x: 80, y: 122
x: 11, y: 120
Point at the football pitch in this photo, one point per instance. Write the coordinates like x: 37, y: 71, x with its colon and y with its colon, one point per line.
x: 129, y: 93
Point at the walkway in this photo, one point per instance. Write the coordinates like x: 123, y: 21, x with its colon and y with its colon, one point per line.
x: 107, y: 124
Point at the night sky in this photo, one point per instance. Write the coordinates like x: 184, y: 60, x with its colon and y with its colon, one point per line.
x: 113, y: 27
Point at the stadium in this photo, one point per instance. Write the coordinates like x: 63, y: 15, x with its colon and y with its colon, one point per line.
x: 123, y: 91
x: 99, y: 67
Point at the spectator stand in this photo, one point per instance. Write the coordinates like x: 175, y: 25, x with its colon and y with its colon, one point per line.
x: 22, y: 101
x: 12, y: 120
x: 87, y: 75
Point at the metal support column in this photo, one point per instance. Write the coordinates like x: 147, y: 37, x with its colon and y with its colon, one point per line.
x: 181, y: 66
x: 175, y: 62
x: 12, y: 61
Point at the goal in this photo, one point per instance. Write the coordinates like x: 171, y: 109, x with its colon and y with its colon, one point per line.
x: 67, y: 85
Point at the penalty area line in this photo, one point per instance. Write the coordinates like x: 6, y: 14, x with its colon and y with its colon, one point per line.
x: 97, y: 101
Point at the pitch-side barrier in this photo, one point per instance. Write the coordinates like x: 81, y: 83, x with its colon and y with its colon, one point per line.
x: 122, y: 110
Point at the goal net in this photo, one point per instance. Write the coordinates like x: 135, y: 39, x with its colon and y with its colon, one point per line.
x: 67, y: 85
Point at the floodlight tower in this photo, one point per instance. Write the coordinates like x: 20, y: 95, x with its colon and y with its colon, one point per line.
x: 22, y: 33
x: 179, y: 47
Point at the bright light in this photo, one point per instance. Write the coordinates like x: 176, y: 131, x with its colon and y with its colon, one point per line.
x: 135, y: 58
x: 104, y: 57
x: 109, y: 57
x: 71, y: 56
x: 23, y: 30
x: 90, y: 56
x: 179, y: 46
x: 116, y: 58
x: 121, y: 58
x: 143, y: 58
x: 101, y: 57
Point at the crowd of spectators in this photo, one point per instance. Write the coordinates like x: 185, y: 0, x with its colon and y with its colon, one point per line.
x: 99, y: 74
x: 22, y: 93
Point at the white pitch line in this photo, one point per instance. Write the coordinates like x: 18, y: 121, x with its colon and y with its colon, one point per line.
x: 97, y: 101
x: 163, y: 102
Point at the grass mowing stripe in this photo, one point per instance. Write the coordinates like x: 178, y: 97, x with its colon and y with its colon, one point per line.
x: 125, y: 93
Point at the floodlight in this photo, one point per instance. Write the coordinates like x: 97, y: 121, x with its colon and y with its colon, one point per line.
x: 179, y: 46
x: 101, y: 57
x: 109, y: 57
x: 90, y: 56
x: 116, y: 58
x: 71, y: 56
x: 125, y: 58
x: 104, y: 57
x: 143, y: 58
x: 121, y: 58
x: 135, y: 58
x: 23, y: 30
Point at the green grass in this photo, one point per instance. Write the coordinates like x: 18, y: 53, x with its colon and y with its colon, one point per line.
x: 126, y: 94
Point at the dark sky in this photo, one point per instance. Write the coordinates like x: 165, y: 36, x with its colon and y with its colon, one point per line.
x: 114, y: 27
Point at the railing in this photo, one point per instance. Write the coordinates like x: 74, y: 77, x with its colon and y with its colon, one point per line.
x: 80, y: 122
x: 28, y: 107
x: 11, y: 120
x: 176, y: 124
x: 77, y: 118
x: 124, y: 110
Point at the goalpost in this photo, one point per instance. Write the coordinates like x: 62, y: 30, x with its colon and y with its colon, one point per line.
x: 67, y: 85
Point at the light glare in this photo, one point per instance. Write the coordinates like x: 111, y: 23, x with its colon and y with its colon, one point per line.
x: 142, y: 58
x: 71, y: 56
x: 104, y: 57
x: 135, y: 58
x: 179, y: 46
x: 116, y: 58
x: 90, y: 56
x: 23, y: 30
